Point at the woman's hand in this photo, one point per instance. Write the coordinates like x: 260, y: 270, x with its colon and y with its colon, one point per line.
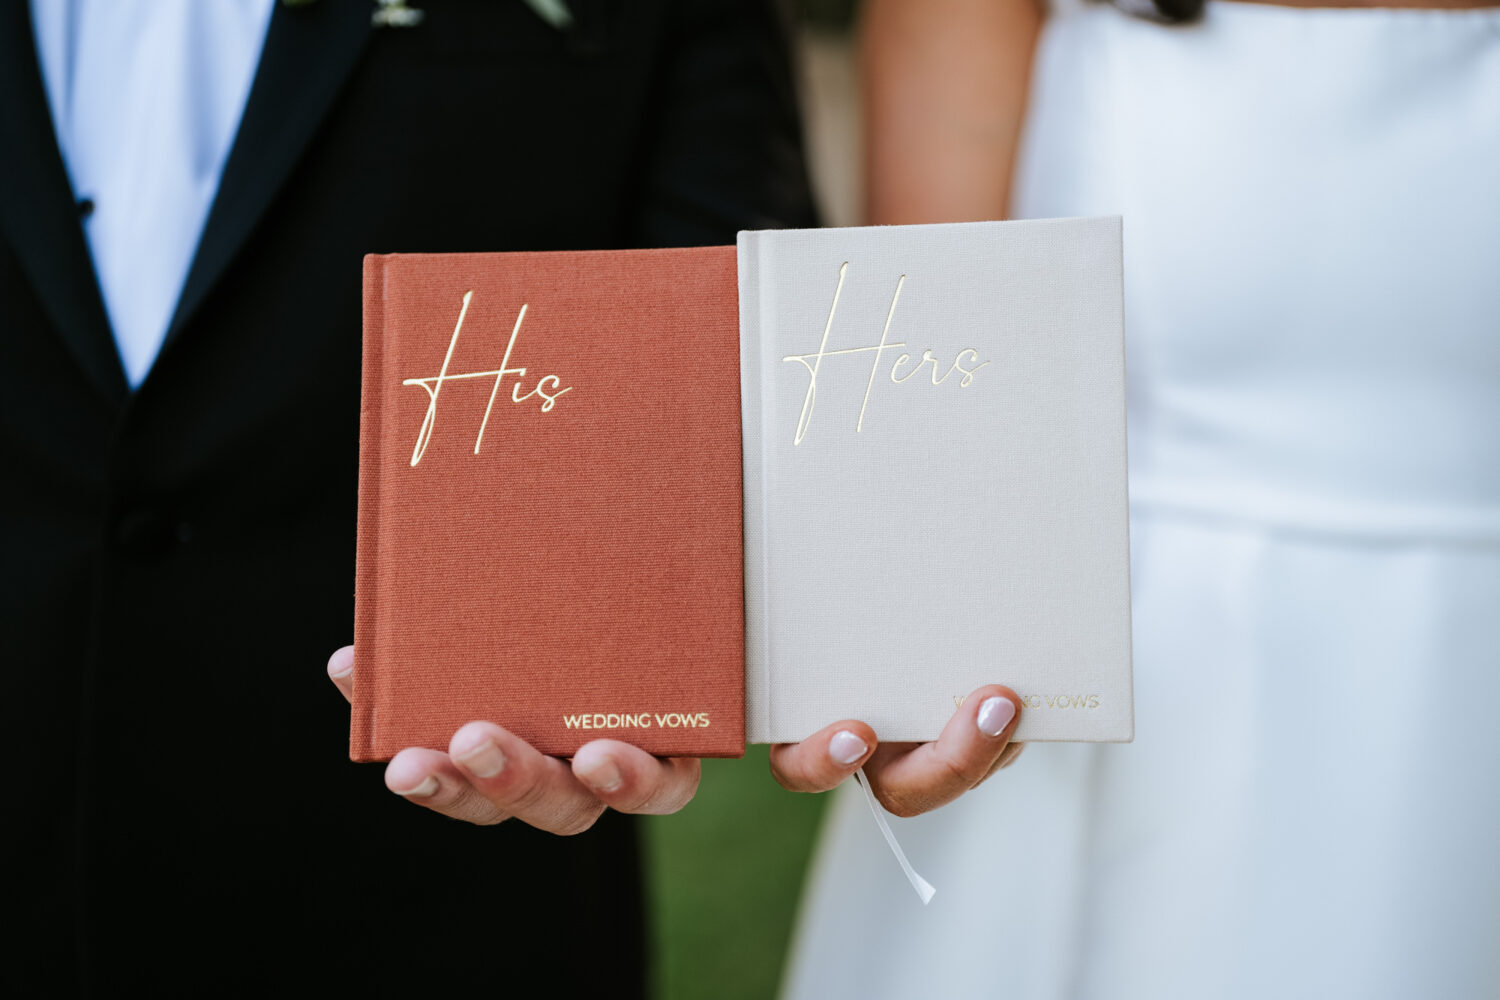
x: 909, y: 778
x: 489, y: 775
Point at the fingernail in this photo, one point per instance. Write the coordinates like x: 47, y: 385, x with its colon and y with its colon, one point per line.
x: 483, y: 761
x: 602, y: 775
x: 995, y: 714
x: 845, y: 748
x: 428, y: 787
x: 339, y: 675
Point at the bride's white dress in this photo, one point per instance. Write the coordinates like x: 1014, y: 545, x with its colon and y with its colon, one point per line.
x: 1312, y: 804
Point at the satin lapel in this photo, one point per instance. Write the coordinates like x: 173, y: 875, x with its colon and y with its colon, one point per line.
x: 38, y: 214
x: 310, y: 51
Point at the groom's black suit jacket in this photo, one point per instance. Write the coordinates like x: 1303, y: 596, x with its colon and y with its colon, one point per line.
x: 178, y: 560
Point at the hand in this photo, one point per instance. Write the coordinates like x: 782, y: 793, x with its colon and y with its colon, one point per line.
x: 909, y: 778
x: 489, y: 775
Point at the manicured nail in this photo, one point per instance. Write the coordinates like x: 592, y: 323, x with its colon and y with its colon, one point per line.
x: 484, y: 760
x: 339, y: 675
x: 845, y: 748
x: 995, y: 714
x: 428, y: 786
x: 602, y: 775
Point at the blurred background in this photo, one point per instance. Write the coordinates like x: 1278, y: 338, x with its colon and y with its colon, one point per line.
x: 724, y: 874
x: 830, y: 105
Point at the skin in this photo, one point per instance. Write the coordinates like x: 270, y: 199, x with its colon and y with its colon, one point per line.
x: 943, y: 84
x: 567, y: 797
x: 943, y: 88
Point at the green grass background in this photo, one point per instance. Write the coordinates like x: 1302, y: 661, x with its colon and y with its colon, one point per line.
x: 723, y: 876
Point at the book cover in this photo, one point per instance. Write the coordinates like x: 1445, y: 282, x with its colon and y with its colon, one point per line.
x: 935, y: 494
x: 550, y: 501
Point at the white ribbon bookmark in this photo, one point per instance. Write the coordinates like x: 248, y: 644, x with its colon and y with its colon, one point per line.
x: 924, y: 888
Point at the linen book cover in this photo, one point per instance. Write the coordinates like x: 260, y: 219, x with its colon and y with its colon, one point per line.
x: 935, y: 495
x: 550, y: 501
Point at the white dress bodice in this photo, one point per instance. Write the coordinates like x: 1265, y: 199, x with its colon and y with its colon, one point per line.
x: 1311, y: 204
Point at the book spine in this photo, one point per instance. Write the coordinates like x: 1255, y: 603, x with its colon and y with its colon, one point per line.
x: 367, y: 551
x: 752, y: 412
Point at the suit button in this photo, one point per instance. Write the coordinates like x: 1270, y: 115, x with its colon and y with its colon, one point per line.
x: 143, y: 532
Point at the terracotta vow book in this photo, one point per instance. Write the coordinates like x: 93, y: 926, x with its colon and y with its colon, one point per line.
x: 684, y: 498
x: 550, y: 501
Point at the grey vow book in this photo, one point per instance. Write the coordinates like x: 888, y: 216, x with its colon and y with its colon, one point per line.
x: 934, y: 442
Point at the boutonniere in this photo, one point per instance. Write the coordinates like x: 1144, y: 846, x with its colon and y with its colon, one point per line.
x: 554, y: 12
x: 395, y: 14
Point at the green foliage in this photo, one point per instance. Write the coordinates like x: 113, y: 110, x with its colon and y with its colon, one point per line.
x: 724, y: 875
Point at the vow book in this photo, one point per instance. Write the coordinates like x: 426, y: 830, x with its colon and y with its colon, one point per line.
x: 549, y: 501
x: 683, y: 498
x: 935, y: 494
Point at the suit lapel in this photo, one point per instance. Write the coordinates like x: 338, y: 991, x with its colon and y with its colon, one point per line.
x: 310, y: 51
x: 38, y: 212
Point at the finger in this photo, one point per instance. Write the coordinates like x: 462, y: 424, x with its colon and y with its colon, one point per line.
x: 522, y: 782
x: 1006, y: 759
x: 915, y: 781
x: 341, y: 671
x: 428, y: 778
x: 1008, y: 756
x: 825, y: 758
x: 630, y: 780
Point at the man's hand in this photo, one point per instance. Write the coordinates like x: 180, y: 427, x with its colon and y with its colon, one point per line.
x: 489, y: 775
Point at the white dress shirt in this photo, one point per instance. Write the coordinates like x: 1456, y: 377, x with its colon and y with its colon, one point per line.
x: 146, y: 98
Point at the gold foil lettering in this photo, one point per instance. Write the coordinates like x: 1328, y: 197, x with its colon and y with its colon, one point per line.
x: 1085, y: 701
x: 430, y: 417
x: 433, y: 385
x: 968, y: 372
x: 878, y: 348
x: 504, y: 370
x: 812, y: 369
x: 814, y: 362
x: 1049, y: 700
x: 636, y: 720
